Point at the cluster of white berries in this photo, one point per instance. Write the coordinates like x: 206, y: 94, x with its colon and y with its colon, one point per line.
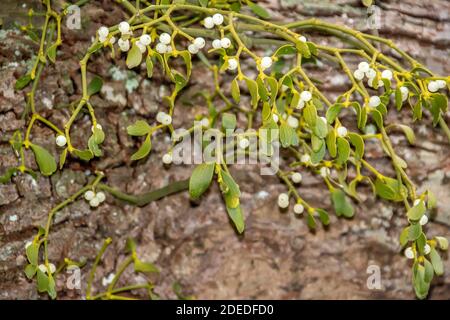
x: 364, y: 70
x: 103, y: 33
x: 305, y: 96
x: 61, y: 140
x: 196, y: 45
x: 163, y: 46
x: 221, y: 43
x: 215, y: 20
x: 125, y: 30
x: 283, y: 203
x: 93, y: 198
x: 434, y: 86
x: 163, y: 118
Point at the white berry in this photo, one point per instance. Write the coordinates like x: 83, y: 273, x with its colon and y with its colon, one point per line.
x: 165, y: 38
x: 103, y: 32
x: 124, y: 45
x: 423, y: 220
x: 409, y: 253
x: 225, y: 42
x: 371, y: 73
x: 161, y: 48
x: 283, y: 200
x: 244, y: 143
x: 427, y: 249
x: 292, y: 122
x: 89, y: 195
x: 208, y: 23
x: 145, y: 39
x: 29, y: 243
x: 358, y: 74
x: 306, y: 96
x: 387, y: 74
x: 43, y: 268
x: 94, y: 202
x: 275, y: 118
x: 61, y: 141
x: 301, y: 104
x: 232, y: 64
x: 433, y: 86
x: 341, y: 131
x: 217, y: 19
x: 205, y: 122
x: 302, y: 38
x: 141, y: 47
x: 100, y: 196
x: 266, y: 62
x: 167, y: 158
x: 217, y: 44
x: 124, y: 27
x: 305, y: 158
x: 405, y: 93
x: 364, y: 66
x: 199, y: 42
x: 51, y: 268
x: 324, y: 172
x: 374, y: 101
x: 296, y: 177
x: 441, y: 84
x: 298, y: 208
x: 192, y: 49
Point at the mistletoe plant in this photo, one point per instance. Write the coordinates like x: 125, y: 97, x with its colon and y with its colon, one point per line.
x: 278, y: 102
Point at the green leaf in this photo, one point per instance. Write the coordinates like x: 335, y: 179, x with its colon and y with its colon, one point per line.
x: 288, y: 137
x: 409, y: 133
x: 134, y: 57
x: 45, y: 161
x: 377, y: 117
x: 273, y: 85
x: 144, y: 149
x: 201, y: 179
x: 323, y: 216
x: 343, y: 150
x: 203, y: 3
x: 420, y: 286
x: 140, y: 266
x: 42, y: 281
x: 331, y: 143
x: 95, y: 85
x: 229, y: 121
x: 310, y: 115
x: 414, y: 231
x: 230, y: 186
x: 333, y: 112
x: 51, y: 288
x: 317, y: 156
x: 416, y: 212
x: 62, y: 158
x: 253, y: 89
x: 436, y: 261
x: 404, y: 237
x: 429, y: 272
x: 439, y: 104
x: 357, y: 141
x: 6, y: 177
x: 93, y: 147
x: 341, y: 204
x: 139, y: 128
x: 30, y: 271
x: 442, y: 242
x: 51, y: 52
x: 32, y: 252
x: 149, y: 65
x: 310, y: 221
x: 85, y: 155
x: 22, y: 82
x: 237, y: 217
x: 259, y: 11
x: 186, y: 55
x: 321, y: 129
x: 235, y: 91
x: 398, y: 99
x: 286, y: 49
x: 389, y: 189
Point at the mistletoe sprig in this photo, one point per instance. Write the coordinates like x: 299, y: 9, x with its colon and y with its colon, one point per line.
x: 227, y: 36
